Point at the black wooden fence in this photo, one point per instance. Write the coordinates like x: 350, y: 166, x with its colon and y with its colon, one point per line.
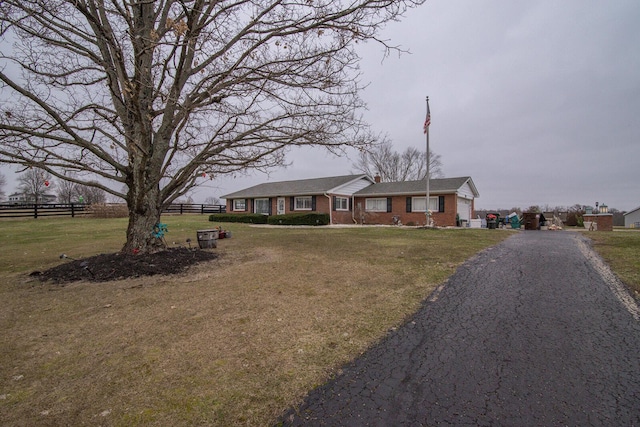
x: 182, y: 208
x: 38, y: 210
x: 33, y: 210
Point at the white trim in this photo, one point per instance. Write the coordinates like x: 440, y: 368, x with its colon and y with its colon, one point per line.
x: 295, y: 203
x: 255, y: 205
x: 346, y: 199
x: 433, y: 201
x: 281, y: 201
x: 377, y: 199
x: 244, y: 205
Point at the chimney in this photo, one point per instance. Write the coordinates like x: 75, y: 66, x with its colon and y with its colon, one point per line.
x: 377, y: 178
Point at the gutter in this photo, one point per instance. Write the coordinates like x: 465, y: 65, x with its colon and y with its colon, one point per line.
x: 353, y: 210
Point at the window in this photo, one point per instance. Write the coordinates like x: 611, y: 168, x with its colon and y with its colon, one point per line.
x: 239, y: 204
x: 342, y: 204
x: 261, y: 206
x: 417, y: 204
x: 376, y: 205
x: 303, y: 203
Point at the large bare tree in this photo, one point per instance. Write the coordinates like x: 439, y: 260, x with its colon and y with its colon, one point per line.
x: 410, y: 165
x: 157, y: 96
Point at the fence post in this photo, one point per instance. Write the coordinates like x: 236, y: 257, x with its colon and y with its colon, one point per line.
x: 35, y: 210
x: 73, y: 213
x: 201, y: 209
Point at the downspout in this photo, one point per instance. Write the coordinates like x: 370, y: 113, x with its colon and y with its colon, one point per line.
x: 330, y: 208
x: 353, y: 210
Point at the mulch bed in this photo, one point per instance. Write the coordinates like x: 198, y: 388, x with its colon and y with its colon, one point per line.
x: 117, y: 266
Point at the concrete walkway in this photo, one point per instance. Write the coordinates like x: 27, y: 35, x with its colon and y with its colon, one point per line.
x: 533, y: 332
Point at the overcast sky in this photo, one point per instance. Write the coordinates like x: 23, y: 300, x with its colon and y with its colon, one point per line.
x: 537, y: 101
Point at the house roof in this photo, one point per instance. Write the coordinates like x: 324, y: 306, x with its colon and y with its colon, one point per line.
x: 436, y: 186
x: 302, y: 187
x: 632, y: 211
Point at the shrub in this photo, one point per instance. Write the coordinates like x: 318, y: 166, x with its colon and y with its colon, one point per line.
x: 288, y: 219
x: 300, y: 219
x: 244, y: 218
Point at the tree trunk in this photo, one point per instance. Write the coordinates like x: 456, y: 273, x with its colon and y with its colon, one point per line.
x: 144, y: 214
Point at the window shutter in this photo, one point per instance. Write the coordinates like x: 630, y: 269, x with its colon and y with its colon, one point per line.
x: 333, y: 208
x: 313, y: 203
x: 270, y: 210
x: 231, y: 207
x: 251, y: 210
x: 389, y: 204
x: 440, y: 203
x: 292, y: 203
x: 408, y: 204
x: 350, y: 203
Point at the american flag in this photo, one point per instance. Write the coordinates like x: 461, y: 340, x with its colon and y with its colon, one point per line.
x: 427, y: 121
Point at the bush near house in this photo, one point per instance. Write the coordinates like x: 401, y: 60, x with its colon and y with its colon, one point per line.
x: 244, y: 218
x: 287, y: 219
x: 299, y: 219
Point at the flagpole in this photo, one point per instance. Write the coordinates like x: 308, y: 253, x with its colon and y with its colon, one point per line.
x: 428, y: 156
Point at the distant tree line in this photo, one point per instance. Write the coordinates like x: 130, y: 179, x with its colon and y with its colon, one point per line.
x: 35, y: 184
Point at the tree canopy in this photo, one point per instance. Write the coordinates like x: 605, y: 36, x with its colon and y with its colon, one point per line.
x: 156, y: 96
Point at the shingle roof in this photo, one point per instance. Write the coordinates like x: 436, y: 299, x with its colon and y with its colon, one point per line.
x: 302, y: 187
x: 632, y: 211
x: 436, y: 186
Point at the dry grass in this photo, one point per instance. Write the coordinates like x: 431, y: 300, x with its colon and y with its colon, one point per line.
x: 108, y: 210
x: 233, y: 342
x: 621, y: 250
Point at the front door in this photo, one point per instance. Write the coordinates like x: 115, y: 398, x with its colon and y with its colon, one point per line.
x: 281, y: 205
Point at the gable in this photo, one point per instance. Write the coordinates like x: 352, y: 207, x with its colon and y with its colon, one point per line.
x: 466, y: 191
x: 350, y: 188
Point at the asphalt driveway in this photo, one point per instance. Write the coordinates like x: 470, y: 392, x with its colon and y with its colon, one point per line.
x: 534, y: 332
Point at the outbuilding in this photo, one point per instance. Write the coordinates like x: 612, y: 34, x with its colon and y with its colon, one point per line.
x: 632, y: 218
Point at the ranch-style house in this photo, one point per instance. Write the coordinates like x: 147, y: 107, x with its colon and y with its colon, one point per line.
x: 360, y: 199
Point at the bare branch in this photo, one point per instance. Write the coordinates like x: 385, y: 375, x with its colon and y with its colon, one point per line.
x: 393, y: 166
x: 149, y: 95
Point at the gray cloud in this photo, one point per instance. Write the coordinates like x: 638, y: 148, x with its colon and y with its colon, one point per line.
x: 537, y: 101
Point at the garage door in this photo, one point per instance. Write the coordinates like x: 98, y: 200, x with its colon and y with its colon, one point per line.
x: 464, y: 208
